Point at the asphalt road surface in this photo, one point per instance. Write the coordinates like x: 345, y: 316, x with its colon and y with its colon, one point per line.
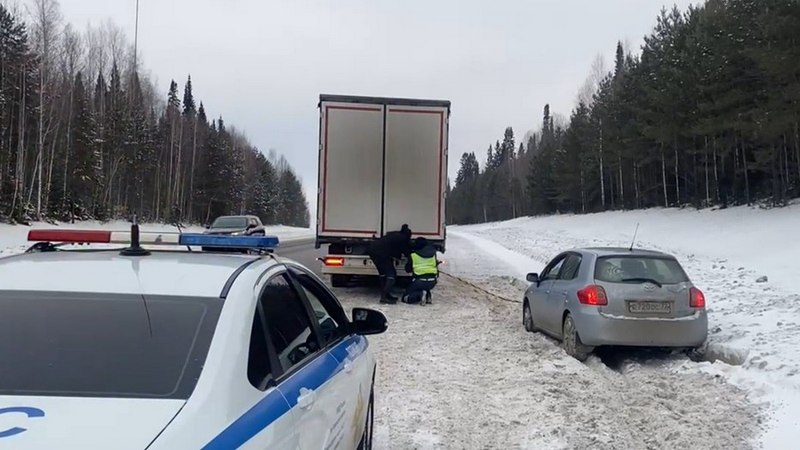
x: 303, y: 252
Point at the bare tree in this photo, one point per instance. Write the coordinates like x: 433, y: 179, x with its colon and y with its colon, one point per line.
x: 46, y: 20
x: 597, y: 72
x: 71, y: 64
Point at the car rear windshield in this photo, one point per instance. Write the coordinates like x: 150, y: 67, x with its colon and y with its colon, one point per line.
x: 639, y: 269
x: 68, y: 344
x: 230, y: 222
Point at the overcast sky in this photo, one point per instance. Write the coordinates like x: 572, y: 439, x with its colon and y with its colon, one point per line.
x: 262, y: 63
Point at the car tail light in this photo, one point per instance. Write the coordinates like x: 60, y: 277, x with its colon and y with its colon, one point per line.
x: 696, y: 298
x: 334, y: 261
x: 593, y: 295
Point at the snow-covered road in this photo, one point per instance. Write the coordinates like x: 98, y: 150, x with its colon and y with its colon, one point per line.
x: 463, y: 374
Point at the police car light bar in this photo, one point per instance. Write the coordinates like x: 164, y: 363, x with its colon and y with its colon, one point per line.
x: 222, y: 241
x: 154, y: 238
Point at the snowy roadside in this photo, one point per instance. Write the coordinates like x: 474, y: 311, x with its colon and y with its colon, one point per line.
x: 13, y: 238
x: 724, y: 252
x: 463, y: 373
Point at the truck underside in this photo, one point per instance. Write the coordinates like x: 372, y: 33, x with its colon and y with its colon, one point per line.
x: 347, y: 260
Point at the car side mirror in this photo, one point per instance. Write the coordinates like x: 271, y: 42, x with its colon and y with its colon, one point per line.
x: 532, y: 278
x: 250, y: 226
x: 368, y: 321
x: 208, y: 225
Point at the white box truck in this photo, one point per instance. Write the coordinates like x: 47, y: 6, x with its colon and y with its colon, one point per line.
x: 382, y: 164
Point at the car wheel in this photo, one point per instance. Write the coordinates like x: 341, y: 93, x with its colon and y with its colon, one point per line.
x: 572, y: 342
x: 366, y: 438
x: 340, y: 280
x: 527, y: 317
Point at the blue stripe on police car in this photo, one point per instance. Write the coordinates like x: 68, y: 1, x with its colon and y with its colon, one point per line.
x: 284, y: 398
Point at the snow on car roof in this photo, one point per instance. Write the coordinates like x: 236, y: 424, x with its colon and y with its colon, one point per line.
x: 162, y: 272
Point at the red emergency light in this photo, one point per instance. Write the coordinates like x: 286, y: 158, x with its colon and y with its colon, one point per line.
x: 76, y: 236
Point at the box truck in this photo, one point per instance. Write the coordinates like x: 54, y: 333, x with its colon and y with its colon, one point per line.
x: 382, y: 164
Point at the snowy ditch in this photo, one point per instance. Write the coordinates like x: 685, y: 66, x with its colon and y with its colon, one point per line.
x: 742, y: 258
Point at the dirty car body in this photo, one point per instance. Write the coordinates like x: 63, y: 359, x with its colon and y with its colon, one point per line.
x: 616, y: 297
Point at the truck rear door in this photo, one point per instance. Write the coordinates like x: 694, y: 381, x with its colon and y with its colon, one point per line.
x: 351, y: 170
x: 415, y: 169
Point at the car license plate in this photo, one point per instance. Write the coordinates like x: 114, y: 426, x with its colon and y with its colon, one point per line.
x: 650, y: 307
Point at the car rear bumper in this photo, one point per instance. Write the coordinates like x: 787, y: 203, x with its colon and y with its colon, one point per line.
x: 596, y: 328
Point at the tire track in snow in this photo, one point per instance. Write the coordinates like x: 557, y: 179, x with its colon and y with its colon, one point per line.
x: 463, y: 373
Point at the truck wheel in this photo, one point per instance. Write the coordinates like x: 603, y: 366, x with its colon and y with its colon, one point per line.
x: 572, y: 342
x: 340, y: 280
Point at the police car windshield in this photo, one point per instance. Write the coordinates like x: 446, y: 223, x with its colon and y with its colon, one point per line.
x: 103, y: 345
x: 230, y: 222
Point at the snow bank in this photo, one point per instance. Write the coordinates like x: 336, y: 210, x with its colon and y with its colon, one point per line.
x: 13, y: 238
x: 724, y: 252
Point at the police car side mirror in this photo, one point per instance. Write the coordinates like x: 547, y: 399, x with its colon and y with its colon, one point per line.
x: 368, y: 321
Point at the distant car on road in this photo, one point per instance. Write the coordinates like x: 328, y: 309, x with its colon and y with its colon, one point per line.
x: 615, y: 297
x: 236, y: 226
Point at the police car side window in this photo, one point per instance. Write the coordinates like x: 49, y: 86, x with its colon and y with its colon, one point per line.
x: 326, y: 310
x: 288, y: 324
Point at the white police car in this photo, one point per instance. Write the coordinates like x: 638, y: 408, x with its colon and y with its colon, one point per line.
x: 110, y: 349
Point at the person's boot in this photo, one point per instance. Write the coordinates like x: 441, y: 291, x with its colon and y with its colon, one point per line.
x: 386, y: 295
x: 428, y: 297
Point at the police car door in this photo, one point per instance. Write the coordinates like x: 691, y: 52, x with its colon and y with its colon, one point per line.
x: 306, y: 372
x: 351, y: 387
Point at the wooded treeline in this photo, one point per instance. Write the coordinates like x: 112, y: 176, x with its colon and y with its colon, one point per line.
x: 84, y: 133
x: 708, y: 113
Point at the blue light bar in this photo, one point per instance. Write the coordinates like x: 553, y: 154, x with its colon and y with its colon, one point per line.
x: 222, y: 241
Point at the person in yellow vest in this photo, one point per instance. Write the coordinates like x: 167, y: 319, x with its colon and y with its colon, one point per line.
x: 424, y: 269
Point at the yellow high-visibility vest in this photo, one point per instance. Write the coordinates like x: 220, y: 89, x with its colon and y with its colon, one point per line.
x: 424, y: 266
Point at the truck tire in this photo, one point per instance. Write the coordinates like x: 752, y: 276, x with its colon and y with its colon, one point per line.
x: 338, y: 281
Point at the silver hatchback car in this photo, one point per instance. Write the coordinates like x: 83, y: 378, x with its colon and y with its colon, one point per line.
x: 594, y: 297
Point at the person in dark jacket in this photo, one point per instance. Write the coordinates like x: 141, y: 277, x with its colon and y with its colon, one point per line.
x: 424, y: 269
x: 393, y: 245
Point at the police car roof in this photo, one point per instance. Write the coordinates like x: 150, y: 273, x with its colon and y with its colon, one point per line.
x: 180, y: 273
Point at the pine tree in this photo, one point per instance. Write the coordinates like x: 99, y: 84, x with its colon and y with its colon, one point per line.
x: 188, y: 98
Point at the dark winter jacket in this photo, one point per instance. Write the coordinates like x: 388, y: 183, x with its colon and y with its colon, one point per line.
x: 394, y: 244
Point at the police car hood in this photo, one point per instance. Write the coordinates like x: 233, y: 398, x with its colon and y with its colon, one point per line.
x: 86, y: 423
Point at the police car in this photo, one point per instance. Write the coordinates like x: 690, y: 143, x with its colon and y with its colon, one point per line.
x: 142, y: 348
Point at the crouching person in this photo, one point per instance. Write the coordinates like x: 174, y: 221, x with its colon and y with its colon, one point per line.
x: 424, y: 269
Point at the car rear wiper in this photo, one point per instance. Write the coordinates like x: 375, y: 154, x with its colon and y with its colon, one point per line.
x: 643, y: 280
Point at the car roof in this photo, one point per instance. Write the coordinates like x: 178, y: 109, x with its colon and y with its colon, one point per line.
x: 621, y: 251
x: 178, y: 273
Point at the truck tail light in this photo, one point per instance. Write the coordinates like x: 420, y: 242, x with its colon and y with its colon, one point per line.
x: 334, y: 261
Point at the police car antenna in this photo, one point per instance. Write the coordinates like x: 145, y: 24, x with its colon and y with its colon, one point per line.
x: 633, y: 241
x: 135, y: 249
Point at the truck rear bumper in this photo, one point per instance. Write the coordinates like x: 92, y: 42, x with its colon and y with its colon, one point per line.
x: 356, y: 265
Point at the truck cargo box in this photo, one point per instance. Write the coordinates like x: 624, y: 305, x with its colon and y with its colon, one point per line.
x: 382, y: 163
